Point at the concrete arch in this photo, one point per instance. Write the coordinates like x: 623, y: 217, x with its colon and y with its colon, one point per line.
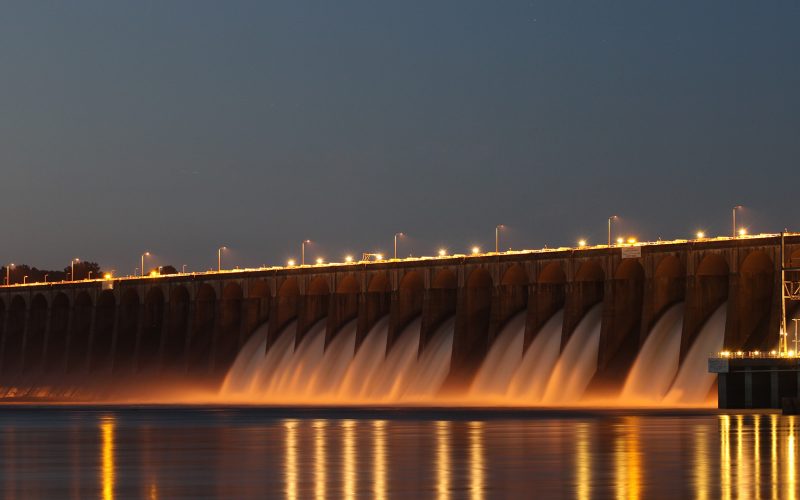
x: 379, y: 283
x: 515, y: 276
x: 377, y: 304
x: 83, y: 315
x: 314, y: 306
x: 284, y: 308
x: 201, y: 340
x: 56, y: 344
x: 318, y: 286
x: 591, y: 270
x: 151, y: 331
x: 255, y: 307
x: 439, y: 305
x: 629, y: 269
x: 3, y: 313
x: 707, y: 290
x: 621, y: 327
x: 444, y: 279
x: 343, y: 306
x: 35, y: 335
x: 176, y: 333
x: 479, y: 278
x: 472, y: 322
x: 348, y: 285
x: 586, y: 289
x: 230, y: 333
x: 669, y: 287
x: 712, y: 265
x: 125, y: 349
x: 547, y: 299
x: 552, y: 273
x: 15, y: 331
x: 408, y: 302
x: 753, y: 302
x: 412, y: 282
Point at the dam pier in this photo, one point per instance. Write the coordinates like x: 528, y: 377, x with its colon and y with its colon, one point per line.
x: 192, y: 327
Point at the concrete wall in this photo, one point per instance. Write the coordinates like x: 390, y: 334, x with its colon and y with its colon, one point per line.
x: 194, y: 325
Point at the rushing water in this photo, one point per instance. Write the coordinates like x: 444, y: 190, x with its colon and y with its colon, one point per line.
x: 194, y: 453
x: 544, y: 374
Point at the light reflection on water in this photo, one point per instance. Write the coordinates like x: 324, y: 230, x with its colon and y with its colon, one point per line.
x: 250, y: 453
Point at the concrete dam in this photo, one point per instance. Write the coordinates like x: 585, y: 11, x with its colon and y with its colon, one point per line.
x: 627, y: 323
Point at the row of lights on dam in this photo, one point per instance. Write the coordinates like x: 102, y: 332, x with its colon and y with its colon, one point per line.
x: 379, y: 257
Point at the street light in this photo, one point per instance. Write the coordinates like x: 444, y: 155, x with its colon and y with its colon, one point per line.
x: 219, y: 257
x: 90, y: 276
x: 612, y: 218
x: 581, y: 243
x: 733, y: 216
x: 72, y: 267
x: 442, y: 252
x: 143, y: 256
x: 183, y: 269
x: 303, y: 252
x: 24, y: 280
x: 497, y: 229
x: 45, y: 277
x: 476, y: 250
x: 8, y: 273
x: 395, y: 243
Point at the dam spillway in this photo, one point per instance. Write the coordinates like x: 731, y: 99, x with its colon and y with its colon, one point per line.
x: 542, y: 327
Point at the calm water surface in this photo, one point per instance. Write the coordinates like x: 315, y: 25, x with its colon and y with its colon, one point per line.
x: 269, y: 453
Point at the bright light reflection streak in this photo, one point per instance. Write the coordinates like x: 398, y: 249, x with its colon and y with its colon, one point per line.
x: 320, y: 474
x: 725, y: 456
x: 349, y: 459
x: 791, y: 480
x: 741, y: 486
x: 756, y: 454
x: 627, y: 462
x: 583, y: 459
x: 291, y: 459
x: 107, y: 470
x: 773, y: 432
x: 379, y: 458
x: 476, y: 490
x: 443, y: 459
x: 701, y: 463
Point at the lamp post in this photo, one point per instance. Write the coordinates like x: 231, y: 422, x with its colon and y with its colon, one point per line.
x: 303, y: 252
x: 8, y: 274
x: 733, y: 216
x: 45, y: 277
x: 219, y: 257
x: 395, y: 243
x: 183, y: 269
x: 90, y: 275
x: 143, y: 256
x: 497, y: 229
x: 72, y: 268
x: 612, y: 218
x: 24, y: 280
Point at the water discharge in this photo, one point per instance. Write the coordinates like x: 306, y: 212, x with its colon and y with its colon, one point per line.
x: 655, y: 367
x: 544, y: 374
x: 693, y: 382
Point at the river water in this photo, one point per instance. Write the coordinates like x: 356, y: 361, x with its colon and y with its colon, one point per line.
x: 206, y: 452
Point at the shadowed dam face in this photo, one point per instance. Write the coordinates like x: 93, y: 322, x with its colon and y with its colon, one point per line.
x: 559, y: 327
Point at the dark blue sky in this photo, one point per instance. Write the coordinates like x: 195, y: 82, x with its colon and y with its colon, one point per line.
x: 178, y: 126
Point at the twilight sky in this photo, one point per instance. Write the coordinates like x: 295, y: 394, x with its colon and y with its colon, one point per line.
x: 179, y: 126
